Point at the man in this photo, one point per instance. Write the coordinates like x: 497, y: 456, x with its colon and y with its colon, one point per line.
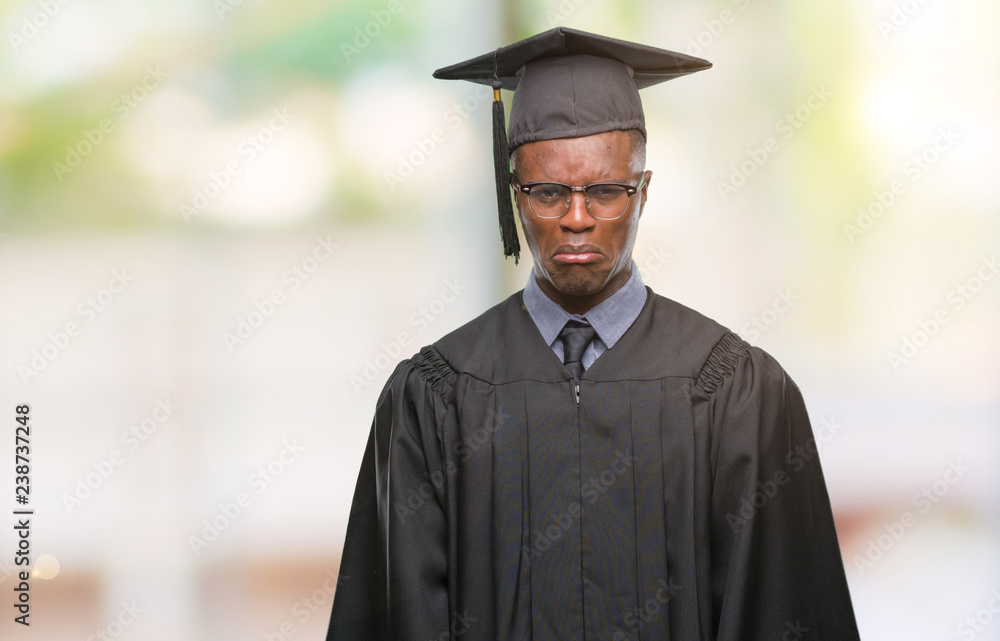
x: 588, y: 460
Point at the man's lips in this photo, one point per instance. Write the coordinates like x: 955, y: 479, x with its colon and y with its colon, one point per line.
x: 577, y: 254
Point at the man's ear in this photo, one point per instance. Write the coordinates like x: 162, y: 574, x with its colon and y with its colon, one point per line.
x: 514, y: 198
x: 522, y: 223
x: 648, y: 176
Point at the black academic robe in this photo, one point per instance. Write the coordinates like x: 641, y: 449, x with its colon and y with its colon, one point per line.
x: 680, y: 498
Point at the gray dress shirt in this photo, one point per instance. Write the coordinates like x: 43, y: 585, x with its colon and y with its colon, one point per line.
x: 610, y: 319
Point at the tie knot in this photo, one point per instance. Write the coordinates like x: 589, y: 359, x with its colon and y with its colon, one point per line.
x: 575, y: 337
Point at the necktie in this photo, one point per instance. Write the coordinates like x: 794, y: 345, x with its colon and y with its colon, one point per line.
x: 575, y: 337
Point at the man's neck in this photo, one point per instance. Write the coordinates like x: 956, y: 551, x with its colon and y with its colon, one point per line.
x: 580, y: 305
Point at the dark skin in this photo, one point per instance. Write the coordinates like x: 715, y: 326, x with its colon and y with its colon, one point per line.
x: 580, y: 261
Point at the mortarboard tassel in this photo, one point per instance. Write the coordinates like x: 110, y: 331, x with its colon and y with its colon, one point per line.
x: 501, y: 166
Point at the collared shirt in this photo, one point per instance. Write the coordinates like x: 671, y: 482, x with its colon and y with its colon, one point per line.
x: 610, y: 319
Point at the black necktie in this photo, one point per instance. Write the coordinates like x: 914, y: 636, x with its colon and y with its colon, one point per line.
x: 575, y: 337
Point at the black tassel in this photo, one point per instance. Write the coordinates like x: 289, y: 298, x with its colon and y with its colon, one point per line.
x: 501, y: 167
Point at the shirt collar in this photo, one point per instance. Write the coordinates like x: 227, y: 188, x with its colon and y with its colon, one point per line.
x: 610, y: 319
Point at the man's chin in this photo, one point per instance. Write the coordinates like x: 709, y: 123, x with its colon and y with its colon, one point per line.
x: 577, y: 286
x: 577, y: 281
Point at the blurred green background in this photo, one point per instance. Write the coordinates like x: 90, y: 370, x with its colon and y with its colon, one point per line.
x: 223, y: 222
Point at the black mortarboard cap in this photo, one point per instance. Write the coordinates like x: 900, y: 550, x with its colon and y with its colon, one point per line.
x: 568, y: 84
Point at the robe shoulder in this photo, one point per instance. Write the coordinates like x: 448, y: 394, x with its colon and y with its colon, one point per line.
x: 666, y: 340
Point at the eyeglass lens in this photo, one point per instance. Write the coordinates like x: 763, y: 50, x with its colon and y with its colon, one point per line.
x: 552, y: 200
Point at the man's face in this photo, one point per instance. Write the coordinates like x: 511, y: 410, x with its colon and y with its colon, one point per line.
x: 580, y: 260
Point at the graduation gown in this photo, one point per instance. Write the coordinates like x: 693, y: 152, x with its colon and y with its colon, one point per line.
x: 679, y: 497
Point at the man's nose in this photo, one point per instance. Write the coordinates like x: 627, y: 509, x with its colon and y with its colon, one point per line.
x: 577, y: 218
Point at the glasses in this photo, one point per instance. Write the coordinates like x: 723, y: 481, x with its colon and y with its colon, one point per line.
x: 605, y: 201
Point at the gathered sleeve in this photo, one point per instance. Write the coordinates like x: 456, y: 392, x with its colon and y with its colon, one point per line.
x: 393, y: 574
x: 776, y: 566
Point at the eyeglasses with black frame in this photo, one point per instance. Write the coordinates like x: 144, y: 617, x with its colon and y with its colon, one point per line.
x: 605, y: 201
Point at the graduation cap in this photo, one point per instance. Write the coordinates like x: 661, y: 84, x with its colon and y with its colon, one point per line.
x: 567, y: 84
